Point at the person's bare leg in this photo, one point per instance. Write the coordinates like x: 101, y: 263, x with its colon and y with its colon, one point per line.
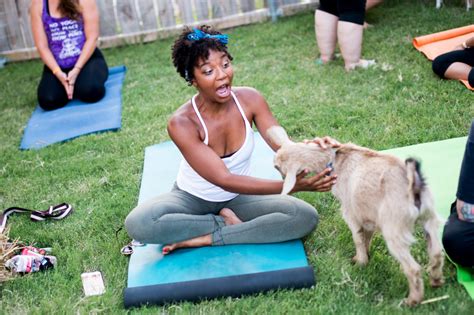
x: 372, y: 3
x: 325, y: 26
x: 369, y: 5
x: 230, y: 218
x: 350, y: 42
x: 458, y: 71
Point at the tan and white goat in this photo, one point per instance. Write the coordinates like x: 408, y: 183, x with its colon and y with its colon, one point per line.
x: 377, y: 192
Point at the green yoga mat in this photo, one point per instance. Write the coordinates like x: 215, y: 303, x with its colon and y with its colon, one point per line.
x: 441, y: 164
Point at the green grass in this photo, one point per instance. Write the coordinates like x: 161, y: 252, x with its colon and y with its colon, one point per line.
x: 100, y: 174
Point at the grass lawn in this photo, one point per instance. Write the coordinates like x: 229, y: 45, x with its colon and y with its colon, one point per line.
x: 399, y: 104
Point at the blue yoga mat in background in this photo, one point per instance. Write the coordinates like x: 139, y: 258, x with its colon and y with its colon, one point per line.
x: 208, y: 272
x: 77, y: 118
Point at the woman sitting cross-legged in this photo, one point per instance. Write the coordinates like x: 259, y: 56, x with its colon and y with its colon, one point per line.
x: 457, y: 64
x: 65, y: 34
x: 215, y: 200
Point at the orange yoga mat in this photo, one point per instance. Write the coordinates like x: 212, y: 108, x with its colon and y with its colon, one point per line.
x: 433, y: 45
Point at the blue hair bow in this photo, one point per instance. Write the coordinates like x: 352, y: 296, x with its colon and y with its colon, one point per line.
x: 198, y: 35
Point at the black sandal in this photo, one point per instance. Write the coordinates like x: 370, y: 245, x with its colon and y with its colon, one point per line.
x: 57, y: 212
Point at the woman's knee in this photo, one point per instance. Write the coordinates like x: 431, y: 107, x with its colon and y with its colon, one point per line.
x: 470, y: 79
x: 90, y: 93
x: 145, y: 223
x: 440, y: 65
x: 458, y: 246
x: 134, y: 225
x: 50, y: 101
x: 140, y: 224
x: 306, y: 217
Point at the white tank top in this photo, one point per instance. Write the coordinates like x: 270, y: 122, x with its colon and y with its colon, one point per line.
x: 238, y: 163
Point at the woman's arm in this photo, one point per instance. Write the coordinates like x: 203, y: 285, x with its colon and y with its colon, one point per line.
x: 209, y: 165
x: 264, y: 119
x: 90, y: 15
x: 41, y: 43
x: 257, y: 107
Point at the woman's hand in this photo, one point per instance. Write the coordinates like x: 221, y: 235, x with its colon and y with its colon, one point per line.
x: 63, y: 78
x: 71, y: 78
x: 324, y: 142
x: 321, y: 182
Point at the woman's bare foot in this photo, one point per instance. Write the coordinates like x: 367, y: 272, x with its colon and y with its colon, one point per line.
x: 199, y: 241
x: 230, y: 218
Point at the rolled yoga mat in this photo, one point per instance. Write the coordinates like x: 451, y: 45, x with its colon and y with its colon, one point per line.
x: 436, y: 44
x: 441, y: 164
x: 77, y: 118
x: 209, y: 272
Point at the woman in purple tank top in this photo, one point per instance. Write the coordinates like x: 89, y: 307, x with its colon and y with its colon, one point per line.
x: 65, y: 34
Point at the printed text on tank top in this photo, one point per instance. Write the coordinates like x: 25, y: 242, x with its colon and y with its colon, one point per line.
x: 66, y: 37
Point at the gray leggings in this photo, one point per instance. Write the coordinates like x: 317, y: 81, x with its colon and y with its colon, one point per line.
x: 177, y: 216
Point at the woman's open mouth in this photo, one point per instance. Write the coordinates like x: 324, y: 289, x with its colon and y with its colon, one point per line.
x: 223, y: 90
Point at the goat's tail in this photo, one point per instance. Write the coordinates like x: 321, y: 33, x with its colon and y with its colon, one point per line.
x: 417, y: 189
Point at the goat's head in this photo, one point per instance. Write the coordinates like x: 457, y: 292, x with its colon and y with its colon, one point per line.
x: 293, y: 158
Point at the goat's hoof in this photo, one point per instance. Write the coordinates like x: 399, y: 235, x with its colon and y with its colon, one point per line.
x: 410, y: 301
x: 359, y: 261
x: 436, y: 283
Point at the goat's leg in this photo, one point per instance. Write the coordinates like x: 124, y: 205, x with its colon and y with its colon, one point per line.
x: 435, y: 250
x: 362, y: 255
x: 368, y: 234
x: 399, y: 247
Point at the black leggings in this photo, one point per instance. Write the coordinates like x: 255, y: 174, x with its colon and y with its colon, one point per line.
x: 89, y: 86
x: 442, y: 62
x: 458, y: 236
x: 347, y: 10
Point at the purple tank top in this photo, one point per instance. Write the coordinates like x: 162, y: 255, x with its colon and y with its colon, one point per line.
x: 66, y: 37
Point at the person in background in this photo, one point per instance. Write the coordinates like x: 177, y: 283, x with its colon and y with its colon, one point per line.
x: 458, y: 234
x: 215, y: 200
x: 65, y: 34
x: 341, y: 21
x: 457, y: 64
x: 370, y: 5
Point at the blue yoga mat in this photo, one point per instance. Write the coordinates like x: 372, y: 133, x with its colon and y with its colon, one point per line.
x: 77, y: 118
x: 208, y: 272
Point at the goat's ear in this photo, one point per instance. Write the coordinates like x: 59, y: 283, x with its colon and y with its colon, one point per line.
x: 290, y: 180
x: 278, y: 135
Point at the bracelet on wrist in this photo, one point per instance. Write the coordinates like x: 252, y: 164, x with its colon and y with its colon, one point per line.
x: 56, y: 70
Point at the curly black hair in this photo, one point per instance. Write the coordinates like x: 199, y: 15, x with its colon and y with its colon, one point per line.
x: 186, y: 53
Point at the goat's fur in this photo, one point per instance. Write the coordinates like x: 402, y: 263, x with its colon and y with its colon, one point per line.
x: 377, y: 192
